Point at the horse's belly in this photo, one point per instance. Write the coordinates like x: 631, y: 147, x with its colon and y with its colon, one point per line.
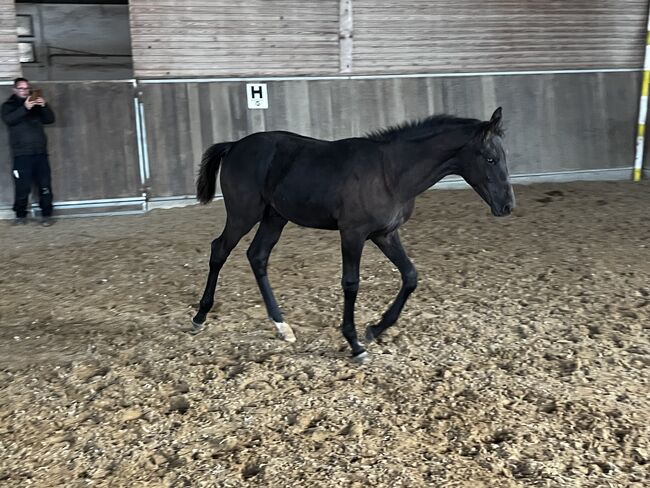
x: 304, y: 219
x: 306, y: 212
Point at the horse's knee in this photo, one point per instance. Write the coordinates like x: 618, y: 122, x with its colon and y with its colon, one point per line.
x: 350, y: 284
x: 218, y: 253
x: 216, y: 249
x: 256, y: 260
x: 216, y: 244
x: 410, y: 280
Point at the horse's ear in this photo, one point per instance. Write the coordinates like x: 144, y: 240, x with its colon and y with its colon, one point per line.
x: 495, y: 121
x: 494, y: 127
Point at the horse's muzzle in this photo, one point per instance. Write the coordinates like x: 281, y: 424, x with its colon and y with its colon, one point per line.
x: 503, y: 210
x: 506, y: 205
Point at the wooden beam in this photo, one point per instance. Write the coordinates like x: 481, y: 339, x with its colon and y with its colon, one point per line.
x: 345, y: 36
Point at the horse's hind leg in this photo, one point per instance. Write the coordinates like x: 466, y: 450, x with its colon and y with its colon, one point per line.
x: 391, y: 246
x: 220, y: 250
x: 258, y: 254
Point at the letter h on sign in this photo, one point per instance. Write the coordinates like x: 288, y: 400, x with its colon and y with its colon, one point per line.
x: 257, y: 95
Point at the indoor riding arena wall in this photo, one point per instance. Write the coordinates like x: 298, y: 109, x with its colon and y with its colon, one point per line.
x: 554, y: 123
x: 562, y: 126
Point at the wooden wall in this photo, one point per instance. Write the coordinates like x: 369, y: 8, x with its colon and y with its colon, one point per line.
x: 9, y: 65
x: 92, y: 145
x: 497, y: 35
x: 190, y: 38
x: 554, y: 122
x: 203, y: 38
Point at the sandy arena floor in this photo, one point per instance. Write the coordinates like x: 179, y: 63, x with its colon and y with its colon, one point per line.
x: 523, y: 358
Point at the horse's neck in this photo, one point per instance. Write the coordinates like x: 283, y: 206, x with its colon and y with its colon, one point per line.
x: 414, y: 167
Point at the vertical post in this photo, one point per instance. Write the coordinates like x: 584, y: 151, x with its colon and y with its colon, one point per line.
x: 138, y: 133
x: 145, y: 147
x: 141, y: 136
x: 643, y: 109
x: 345, y: 36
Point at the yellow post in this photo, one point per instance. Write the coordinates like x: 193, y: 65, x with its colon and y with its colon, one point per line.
x: 643, y: 110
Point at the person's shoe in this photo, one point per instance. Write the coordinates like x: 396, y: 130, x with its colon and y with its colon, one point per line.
x: 20, y: 221
x: 47, y: 221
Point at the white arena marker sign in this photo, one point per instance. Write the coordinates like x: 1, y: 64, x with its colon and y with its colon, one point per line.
x: 257, y: 95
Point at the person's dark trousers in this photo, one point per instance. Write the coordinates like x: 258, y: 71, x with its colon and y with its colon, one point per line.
x: 29, y: 170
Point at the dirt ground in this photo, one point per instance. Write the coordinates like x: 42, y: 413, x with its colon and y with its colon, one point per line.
x: 522, y: 359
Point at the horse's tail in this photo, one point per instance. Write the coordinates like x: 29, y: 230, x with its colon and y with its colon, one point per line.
x: 206, y: 184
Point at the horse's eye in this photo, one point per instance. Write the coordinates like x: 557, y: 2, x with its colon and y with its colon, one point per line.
x: 491, y: 161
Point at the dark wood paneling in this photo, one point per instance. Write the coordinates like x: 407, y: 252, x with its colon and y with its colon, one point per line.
x: 170, y: 173
x: 92, y: 145
x: 554, y: 122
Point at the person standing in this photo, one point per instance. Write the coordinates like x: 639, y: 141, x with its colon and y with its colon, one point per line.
x: 25, y: 116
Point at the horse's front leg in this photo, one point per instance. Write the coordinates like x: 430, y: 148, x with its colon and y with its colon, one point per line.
x: 351, y: 248
x: 258, y: 254
x: 391, y: 246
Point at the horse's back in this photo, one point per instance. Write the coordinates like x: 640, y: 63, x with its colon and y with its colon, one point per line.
x: 306, y: 180
x: 270, y: 157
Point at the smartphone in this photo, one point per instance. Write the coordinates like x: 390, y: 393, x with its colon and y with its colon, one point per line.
x: 36, y: 93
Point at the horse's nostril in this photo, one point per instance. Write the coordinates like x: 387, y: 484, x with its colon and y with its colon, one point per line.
x: 507, y: 208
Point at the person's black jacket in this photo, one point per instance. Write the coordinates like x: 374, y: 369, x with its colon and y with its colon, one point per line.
x: 26, y: 134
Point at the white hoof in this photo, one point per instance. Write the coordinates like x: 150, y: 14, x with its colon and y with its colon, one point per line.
x: 196, y: 328
x: 285, y: 331
x: 361, y: 358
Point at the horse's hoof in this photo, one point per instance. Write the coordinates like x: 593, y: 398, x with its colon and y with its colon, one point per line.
x: 361, y: 358
x: 285, y: 332
x: 196, y: 328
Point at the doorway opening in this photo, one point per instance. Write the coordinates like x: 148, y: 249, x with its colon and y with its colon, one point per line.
x: 74, y: 40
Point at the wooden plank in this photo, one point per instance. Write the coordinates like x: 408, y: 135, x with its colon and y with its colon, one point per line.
x: 194, y: 116
x: 346, y: 32
x: 220, y: 50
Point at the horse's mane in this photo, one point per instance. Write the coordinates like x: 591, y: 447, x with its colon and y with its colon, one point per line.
x: 422, y: 129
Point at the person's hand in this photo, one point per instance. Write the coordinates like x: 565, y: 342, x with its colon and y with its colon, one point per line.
x: 39, y: 101
x: 29, y: 103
